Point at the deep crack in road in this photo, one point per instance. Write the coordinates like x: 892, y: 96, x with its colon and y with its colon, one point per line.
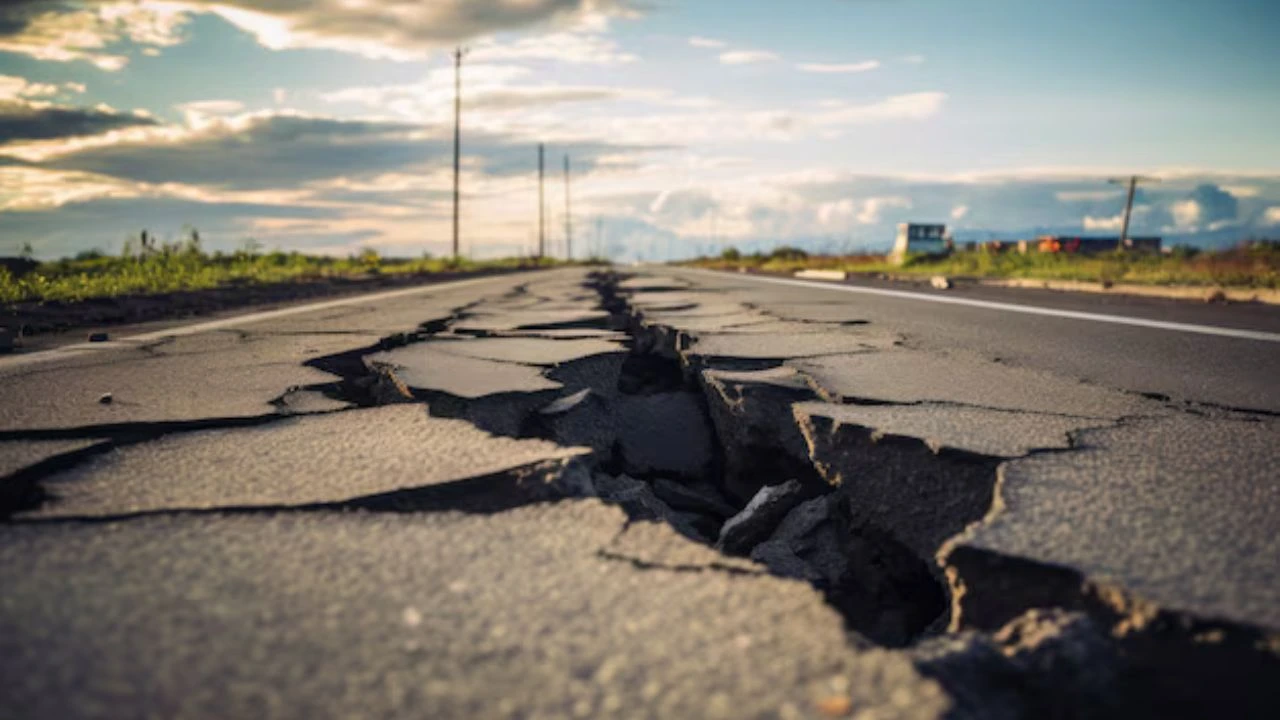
x: 559, y: 495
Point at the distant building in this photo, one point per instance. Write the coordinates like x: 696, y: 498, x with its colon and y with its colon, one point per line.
x: 927, y: 239
x: 1075, y: 245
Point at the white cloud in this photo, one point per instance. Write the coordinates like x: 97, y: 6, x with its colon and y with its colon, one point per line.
x: 747, y: 57
x: 491, y: 93
x: 23, y: 188
x: 702, y: 42
x: 913, y: 106
x: 958, y: 212
x: 13, y: 88
x: 868, y: 211
x: 64, y: 32
x: 568, y: 47
x: 1186, y: 213
x: 203, y: 111
x: 1087, y: 195
x: 392, y: 29
x: 1113, y: 223
x: 717, y: 125
x: 845, y: 68
x: 156, y: 23
x: 408, y: 29
x: 873, y: 207
x: 1242, y: 191
x: 829, y: 213
x: 1271, y: 216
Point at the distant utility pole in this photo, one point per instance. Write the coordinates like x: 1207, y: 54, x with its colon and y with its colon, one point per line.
x: 542, y: 203
x: 457, y: 140
x: 568, y: 214
x: 1132, y: 181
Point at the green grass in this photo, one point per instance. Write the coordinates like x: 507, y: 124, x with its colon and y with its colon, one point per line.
x: 1248, y: 266
x: 173, y: 268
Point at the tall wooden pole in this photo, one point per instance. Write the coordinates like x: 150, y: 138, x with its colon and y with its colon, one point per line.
x: 542, y: 203
x: 457, y: 141
x: 1132, y: 182
x: 1128, y: 212
x: 568, y: 214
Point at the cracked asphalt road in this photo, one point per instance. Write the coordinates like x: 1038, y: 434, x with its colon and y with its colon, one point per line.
x: 500, y: 498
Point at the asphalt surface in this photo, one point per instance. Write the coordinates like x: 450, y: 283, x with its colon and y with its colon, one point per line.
x: 1171, y: 488
x: 434, y: 615
x: 1224, y: 371
x: 498, y: 498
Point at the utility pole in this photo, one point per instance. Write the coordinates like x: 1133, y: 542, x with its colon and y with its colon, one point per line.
x: 542, y: 203
x: 568, y: 214
x: 1132, y: 181
x: 457, y: 140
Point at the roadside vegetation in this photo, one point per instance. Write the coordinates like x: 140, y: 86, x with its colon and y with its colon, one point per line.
x: 147, y: 268
x: 1250, y: 265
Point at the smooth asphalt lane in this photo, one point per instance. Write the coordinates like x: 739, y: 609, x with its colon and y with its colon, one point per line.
x: 1191, y: 365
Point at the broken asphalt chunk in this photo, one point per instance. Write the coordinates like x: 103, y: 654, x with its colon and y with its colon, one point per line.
x: 1132, y: 508
x: 921, y: 472
x: 448, y: 615
x: 911, y: 376
x: 757, y: 521
x: 527, y: 350
x: 423, y: 366
x: 751, y: 412
x: 780, y: 346
x: 303, y: 461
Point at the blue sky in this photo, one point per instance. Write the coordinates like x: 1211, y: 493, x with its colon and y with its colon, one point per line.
x: 325, y: 126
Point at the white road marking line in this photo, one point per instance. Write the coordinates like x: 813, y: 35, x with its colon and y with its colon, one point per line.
x: 83, y: 348
x: 1009, y: 307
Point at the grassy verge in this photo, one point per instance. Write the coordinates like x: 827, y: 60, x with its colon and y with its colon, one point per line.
x: 172, y: 269
x: 1253, y: 266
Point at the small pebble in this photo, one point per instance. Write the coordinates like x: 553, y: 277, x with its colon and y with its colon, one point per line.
x: 835, y: 706
x: 105, y: 399
x: 411, y: 616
